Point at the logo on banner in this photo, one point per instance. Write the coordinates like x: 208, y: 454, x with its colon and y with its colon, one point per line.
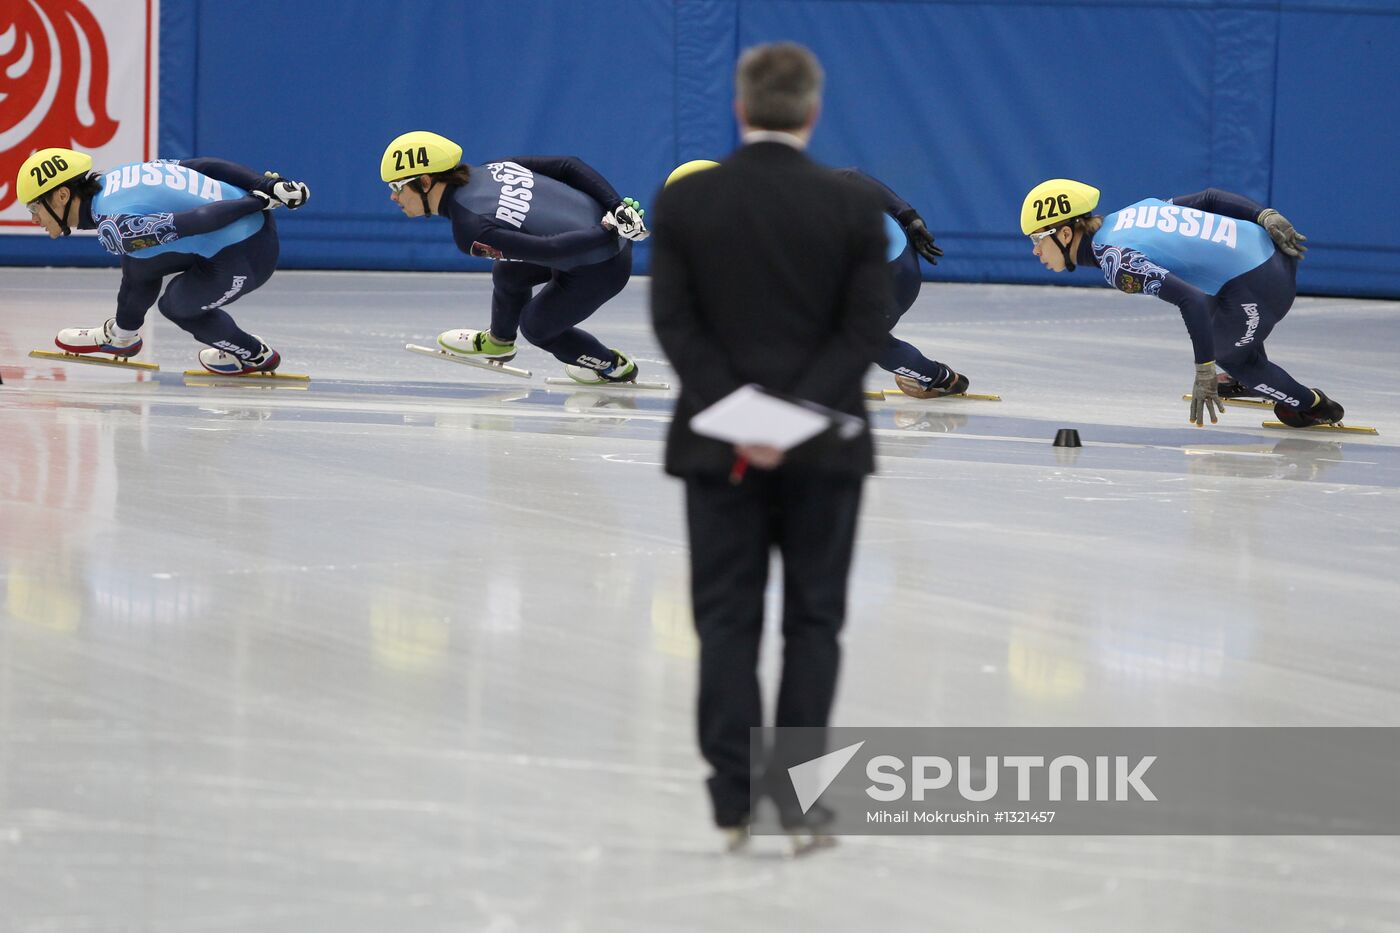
x: 54, y: 71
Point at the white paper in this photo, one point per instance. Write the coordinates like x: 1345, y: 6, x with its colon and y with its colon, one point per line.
x: 748, y: 416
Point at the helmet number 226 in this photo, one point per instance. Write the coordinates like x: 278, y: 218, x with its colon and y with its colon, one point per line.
x: 1047, y: 208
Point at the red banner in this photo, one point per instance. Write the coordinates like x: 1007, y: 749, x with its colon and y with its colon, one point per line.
x: 80, y: 74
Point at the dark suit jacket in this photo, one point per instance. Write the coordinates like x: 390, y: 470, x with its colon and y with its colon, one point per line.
x: 769, y: 269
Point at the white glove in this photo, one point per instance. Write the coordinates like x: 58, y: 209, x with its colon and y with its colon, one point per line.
x: 291, y: 193
x: 268, y: 201
x: 626, y: 219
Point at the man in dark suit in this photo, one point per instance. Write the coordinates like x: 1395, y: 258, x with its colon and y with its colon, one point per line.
x: 768, y: 269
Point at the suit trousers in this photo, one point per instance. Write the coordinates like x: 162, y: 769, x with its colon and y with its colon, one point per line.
x: 810, y: 517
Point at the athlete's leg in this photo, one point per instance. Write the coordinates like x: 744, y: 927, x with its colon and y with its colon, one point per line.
x: 512, y: 285
x: 548, y: 320
x: 898, y: 356
x: 907, y: 281
x: 195, y: 299
x: 1247, y: 309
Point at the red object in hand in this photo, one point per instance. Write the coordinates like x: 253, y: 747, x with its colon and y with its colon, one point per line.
x: 736, y: 472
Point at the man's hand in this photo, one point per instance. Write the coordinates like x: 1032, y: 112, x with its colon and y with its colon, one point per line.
x: 919, y: 237
x: 1205, y: 395
x: 293, y: 194
x: 761, y: 456
x: 1282, y: 232
x: 626, y: 219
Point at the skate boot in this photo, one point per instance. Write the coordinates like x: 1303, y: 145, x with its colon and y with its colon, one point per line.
x: 97, y: 340
x: 223, y: 363
x: 1230, y: 387
x: 1322, y: 411
x: 622, y: 370
x: 807, y: 832
x: 477, y: 343
x: 954, y: 384
x: 735, y: 838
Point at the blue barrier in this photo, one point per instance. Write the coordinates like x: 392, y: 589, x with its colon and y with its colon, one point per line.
x: 959, y: 105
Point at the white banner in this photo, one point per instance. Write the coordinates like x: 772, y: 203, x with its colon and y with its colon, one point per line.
x: 80, y: 74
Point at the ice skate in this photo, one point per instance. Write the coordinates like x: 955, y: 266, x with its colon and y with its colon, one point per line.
x: 98, y: 340
x: 1322, y: 415
x: 478, y: 344
x: 1231, y: 388
x: 623, y: 370
x: 87, y: 344
x: 802, y: 842
x: 1240, y: 401
x: 735, y: 839
x: 806, y: 832
x: 954, y: 384
x: 480, y: 361
x: 1322, y: 411
x: 222, y: 363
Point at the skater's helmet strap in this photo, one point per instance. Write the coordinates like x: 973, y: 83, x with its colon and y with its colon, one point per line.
x: 419, y: 153
x: 48, y: 170
x: 690, y: 168
x: 1055, y: 202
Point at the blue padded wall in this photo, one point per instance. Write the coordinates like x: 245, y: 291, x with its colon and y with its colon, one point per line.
x: 959, y: 105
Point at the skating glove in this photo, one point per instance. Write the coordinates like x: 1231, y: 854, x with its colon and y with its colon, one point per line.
x: 626, y: 219
x: 291, y: 194
x: 919, y: 237
x: 1282, y: 232
x: 1205, y: 395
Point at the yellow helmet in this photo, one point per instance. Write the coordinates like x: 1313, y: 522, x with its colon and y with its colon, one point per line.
x: 419, y: 153
x: 48, y: 169
x: 690, y: 168
x: 1054, y: 201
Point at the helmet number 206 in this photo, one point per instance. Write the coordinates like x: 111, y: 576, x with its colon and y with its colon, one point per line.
x: 1058, y: 206
x: 405, y: 159
x: 48, y: 169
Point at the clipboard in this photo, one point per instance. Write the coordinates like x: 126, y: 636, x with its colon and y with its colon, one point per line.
x: 753, y: 415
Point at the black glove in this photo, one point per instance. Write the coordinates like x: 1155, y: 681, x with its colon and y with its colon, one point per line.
x: 919, y: 237
x: 1282, y: 232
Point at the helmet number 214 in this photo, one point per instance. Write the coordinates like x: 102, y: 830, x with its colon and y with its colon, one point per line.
x: 405, y: 159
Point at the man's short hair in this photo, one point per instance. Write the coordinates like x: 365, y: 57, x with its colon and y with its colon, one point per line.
x: 779, y: 85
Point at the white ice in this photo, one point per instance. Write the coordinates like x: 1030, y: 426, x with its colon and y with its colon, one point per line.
x: 410, y: 648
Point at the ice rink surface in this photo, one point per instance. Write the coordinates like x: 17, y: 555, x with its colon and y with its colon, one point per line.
x: 409, y: 648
